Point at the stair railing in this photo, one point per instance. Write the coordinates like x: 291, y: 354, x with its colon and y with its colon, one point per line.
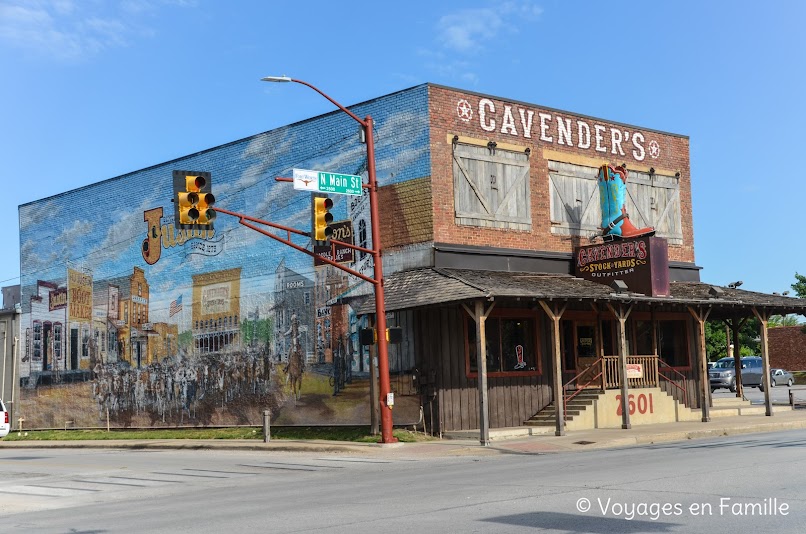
x: 674, y: 383
x: 580, y: 388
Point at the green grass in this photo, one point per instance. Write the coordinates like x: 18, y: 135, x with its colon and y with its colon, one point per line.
x: 353, y: 434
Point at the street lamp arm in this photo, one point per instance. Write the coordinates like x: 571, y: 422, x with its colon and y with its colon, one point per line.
x: 344, y: 109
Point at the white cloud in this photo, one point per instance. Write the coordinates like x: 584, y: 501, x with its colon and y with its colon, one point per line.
x: 469, y: 31
x: 465, y: 30
x: 66, y: 30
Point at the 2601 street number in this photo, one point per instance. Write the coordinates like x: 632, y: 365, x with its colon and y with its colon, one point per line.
x: 643, y: 403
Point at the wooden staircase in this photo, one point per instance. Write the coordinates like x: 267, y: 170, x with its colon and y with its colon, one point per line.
x: 575, y: 407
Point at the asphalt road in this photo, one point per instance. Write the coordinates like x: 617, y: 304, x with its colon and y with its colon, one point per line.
x: 728, y: 485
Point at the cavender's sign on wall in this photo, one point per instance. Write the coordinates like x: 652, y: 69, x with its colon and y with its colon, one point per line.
x: 642, y: 264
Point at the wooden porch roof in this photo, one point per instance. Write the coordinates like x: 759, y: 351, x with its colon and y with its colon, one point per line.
x: 420, y: 288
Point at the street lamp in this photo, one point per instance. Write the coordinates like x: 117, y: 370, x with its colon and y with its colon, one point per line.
x: 380, y: 306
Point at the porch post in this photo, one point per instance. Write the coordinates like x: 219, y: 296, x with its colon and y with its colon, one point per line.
x: 737, y: 355
x: 559, y: 395
x: 734, y: 326
x: 705, y: 384
x: 479, y: 315
x: 763, y: 317
x: 622, y: 316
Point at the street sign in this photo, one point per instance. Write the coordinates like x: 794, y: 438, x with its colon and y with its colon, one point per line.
x: 327, y: 182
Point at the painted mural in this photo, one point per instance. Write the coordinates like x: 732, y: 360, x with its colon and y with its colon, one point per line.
x: 129, y: 321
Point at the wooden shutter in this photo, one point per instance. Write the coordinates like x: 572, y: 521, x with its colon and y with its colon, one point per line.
x: 574, y: 199
x: 654, y: 200
x: 651, y: 200
x: 491, y: 187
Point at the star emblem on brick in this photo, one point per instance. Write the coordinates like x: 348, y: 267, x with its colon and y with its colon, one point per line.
x: 654, y: 149
x: 464, y: 110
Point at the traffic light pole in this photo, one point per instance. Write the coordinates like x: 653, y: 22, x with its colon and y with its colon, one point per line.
x: 377, y: 281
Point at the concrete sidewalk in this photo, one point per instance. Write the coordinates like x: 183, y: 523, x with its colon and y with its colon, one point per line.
x: 520, y: 440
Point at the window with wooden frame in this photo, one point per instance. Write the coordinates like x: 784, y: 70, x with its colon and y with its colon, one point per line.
x: 491, y: 186
x: 673, y: 346
x: 671, y: 335
x: 512, y: 343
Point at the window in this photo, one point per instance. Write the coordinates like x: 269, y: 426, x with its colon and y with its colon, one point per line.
x: 85, y: 340
x: 673, y: 343
x: 643, y: 339
x: 57, y: 341
x: 511, y: 343
x: 362, y: 237
x: 491, y: 187
x: 37, y: 341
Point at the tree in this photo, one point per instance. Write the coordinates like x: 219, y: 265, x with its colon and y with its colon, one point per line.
x: 716, y: 345
x: 783, y: 320
x: 800, y: 285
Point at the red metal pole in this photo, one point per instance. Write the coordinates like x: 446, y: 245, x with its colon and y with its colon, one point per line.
x: 380, y: 305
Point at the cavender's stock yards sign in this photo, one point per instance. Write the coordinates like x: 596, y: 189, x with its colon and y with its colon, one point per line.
x: 642, y: 264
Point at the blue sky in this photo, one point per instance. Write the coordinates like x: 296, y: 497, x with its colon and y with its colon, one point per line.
x: 95, y: 89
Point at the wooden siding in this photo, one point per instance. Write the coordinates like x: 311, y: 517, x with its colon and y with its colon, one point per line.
x: 452, y: 400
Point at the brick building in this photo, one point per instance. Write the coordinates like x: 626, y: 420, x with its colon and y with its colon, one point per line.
x: 484, y: 204
x: 788, y: 348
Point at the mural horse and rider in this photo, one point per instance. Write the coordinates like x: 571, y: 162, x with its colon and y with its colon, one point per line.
x: 295, y: 367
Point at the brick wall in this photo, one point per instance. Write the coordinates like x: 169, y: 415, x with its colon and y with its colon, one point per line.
x: 508, y: 122
x: 787, y: 345
x: 405, y: 212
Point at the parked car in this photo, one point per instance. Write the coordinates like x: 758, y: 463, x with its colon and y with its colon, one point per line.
x: 723, y: 373
x: 779, y: 377
x: 751, y: 371
x: 5, y: 423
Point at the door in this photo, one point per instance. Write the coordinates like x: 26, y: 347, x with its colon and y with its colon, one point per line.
x: 585, y: 352
x: 47, y: 345
x: 74, y: 348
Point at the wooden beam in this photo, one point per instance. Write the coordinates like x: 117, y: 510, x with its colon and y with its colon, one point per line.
x: 555, y: 314
x: 700, y: 316
x: 764, y: 317
x: 479, y: 316
x: 622, y: 316
x: 735, y: 325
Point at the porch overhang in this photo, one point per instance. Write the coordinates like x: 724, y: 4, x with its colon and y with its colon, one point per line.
x: 420, y: 288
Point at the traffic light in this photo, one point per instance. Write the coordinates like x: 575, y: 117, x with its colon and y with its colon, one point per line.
x: 322, y: 218
x: 193, y: 199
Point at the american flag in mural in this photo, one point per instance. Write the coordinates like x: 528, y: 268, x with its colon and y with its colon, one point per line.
x: 176, y: 306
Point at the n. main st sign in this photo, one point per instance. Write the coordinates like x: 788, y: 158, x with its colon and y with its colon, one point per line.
x: 327, y: 182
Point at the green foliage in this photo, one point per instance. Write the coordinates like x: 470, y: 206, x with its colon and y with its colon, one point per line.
x: 783, y: 320
x: 256, y: 331
x: 716, y: 344
x: 800, y: 285
x: 186, y: 340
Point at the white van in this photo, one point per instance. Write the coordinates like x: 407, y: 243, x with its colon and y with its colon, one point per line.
x: 5, y: 423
